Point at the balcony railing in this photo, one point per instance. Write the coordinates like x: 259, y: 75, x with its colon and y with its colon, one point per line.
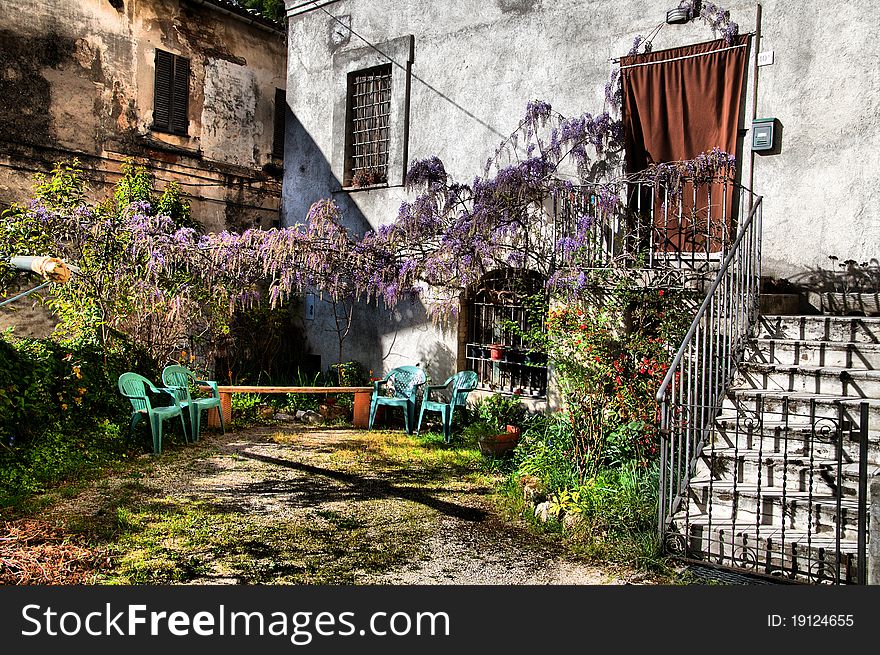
x: 648, y: 225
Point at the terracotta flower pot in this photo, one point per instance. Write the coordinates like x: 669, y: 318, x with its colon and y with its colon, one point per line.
x: 500, y: 444
x: 497, y: 352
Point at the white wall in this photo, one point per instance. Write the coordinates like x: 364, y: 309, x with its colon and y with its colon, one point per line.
x: 477, y: 64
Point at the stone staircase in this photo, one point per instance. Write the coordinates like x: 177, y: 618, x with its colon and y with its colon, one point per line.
x: 776, y: 486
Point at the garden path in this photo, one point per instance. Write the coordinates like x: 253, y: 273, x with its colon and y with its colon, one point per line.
x: 293, y: 504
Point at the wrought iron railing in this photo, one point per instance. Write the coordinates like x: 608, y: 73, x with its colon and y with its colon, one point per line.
x: 780, y: 489
x: 704, y: 365
x: 652, y: 225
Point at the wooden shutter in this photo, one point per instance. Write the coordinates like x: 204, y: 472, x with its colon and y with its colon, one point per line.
x: 162, y: 90
x: 280, y: 110
x: 180, y: 102
x: 171, y: 93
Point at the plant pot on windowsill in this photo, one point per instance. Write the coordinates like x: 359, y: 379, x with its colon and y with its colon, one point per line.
x: 496, y: 352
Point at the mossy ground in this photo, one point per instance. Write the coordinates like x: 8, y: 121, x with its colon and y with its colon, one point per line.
x: 288, y: 504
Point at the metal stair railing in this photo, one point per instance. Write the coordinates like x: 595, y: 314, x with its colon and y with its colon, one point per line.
x: 693, y: 389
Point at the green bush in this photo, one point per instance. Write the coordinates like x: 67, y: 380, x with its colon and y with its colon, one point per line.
x: 499, y: 411
x: 245, y: 408
x: 349, y: 374
x: 58, y: 454
x: 61, y: 412
x: 73, y: 384
x: 545, y: 450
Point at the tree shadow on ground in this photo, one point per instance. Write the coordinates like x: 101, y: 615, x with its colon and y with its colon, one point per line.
x: 372, y: 489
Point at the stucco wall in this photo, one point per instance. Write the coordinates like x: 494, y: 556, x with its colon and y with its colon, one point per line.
x: 820, y: 191
x: 476, y: 65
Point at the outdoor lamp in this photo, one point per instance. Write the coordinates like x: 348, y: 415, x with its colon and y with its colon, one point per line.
x: 683, y: 14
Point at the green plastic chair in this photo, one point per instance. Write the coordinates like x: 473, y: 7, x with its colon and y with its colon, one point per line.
x: 179, y: 378
x: 462, y: 383
x: 135, y: 387
x: 398, y: 389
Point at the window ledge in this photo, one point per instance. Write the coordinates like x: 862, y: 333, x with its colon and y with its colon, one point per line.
x: 150, y: 140
x: 367, y: 187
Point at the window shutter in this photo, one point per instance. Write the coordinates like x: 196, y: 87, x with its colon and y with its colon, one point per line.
x: 162, y: 90
x: 280, y: 110
x: 180, y: 101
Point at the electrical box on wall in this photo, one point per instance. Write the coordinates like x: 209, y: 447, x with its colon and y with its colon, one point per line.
x: 763, y: 133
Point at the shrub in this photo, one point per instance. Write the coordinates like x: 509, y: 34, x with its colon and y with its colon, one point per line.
x: 499, y: 411
x: 71, y: 383
x: 349, y: 374
x: 545, y: 452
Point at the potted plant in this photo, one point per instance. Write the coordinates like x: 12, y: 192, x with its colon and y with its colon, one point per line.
x: 496, y: 352
x: 497, y: 429
x: 536, y: 359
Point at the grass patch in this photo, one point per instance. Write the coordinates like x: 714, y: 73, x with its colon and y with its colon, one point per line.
x: 172, y: 541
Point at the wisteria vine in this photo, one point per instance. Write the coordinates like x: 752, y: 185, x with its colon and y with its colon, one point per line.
x: 441, y: 243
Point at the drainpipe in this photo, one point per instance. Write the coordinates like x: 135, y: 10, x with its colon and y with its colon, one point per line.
x: 754, y: 99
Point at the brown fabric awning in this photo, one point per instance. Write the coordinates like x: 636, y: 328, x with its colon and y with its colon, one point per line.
x: 677, y: 104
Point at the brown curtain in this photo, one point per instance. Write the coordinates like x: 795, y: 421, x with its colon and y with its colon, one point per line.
x: 677, y: 104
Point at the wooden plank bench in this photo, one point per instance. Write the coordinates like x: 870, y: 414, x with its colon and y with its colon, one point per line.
x: 362, y: 396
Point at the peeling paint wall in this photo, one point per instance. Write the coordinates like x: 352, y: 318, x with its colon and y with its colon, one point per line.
x: 231, y: 99
x: 77, y: 77
x: 77, y: 80
x: 476, y: 64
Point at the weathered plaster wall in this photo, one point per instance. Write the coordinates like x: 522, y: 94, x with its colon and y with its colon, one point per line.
x: 476, y: 65
x: 820, y: 191
x: 76, y: 78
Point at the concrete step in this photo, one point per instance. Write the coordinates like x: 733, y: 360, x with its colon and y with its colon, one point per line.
x: 781, y: 303
x: 772, y: 433
x: 773, y: 439
x: 768, y: 550
x: 802, y: 409
x: 858, y: 329
x: 749, y: 504
x: 796, y: 472
x: 856, y: 383
x: 813, y: 353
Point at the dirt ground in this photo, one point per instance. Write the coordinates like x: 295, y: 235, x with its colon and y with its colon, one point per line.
x: 293, y: 504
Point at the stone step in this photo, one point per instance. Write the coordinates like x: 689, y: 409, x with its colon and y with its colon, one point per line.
x: 774, y: 438
x: 813, y: 353
x: 802, y: 408
x: 767, y: 550
x: 772, y: 435
x: 797, y: 473
x: 856, y: 383
x: 749, y: 504
x: 858, y: 329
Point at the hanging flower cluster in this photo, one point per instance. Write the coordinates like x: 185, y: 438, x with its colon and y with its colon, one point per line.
x: 716, y: 16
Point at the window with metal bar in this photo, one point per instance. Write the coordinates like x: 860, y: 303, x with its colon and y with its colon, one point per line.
x: 498, y: 315
x: 367, y: 139
x: 171, y: 93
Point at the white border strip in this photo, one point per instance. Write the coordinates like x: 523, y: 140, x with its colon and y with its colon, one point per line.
x: 699, y: 54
